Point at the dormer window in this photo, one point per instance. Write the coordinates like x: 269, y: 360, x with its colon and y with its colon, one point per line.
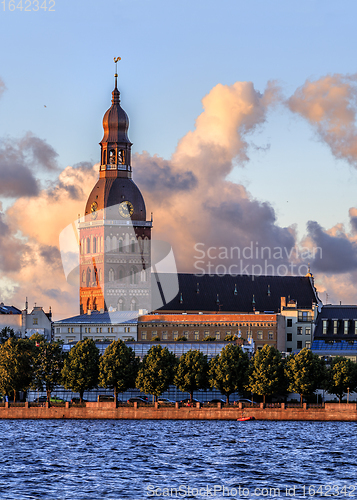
x: 324, y: 326
x: 335, y: 326
x: 345, y: 326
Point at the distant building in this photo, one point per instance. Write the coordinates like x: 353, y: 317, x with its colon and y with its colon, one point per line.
x: 299, y: 325
x: 99, y: 326
x: 37, y: 321
x: 257, y: 329
x: 10, y: 316
x: 336, y: 332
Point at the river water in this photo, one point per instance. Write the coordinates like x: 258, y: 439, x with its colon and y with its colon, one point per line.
x: 127, y: 459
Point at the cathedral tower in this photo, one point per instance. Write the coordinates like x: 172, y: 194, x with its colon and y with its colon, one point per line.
x: 114, y: 234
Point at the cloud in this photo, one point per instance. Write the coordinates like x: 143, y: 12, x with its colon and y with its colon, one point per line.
x: 20, y: 159
x: 189, y: 194
x: 330, y: 106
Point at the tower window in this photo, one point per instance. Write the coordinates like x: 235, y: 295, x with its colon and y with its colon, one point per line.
x: 112, y: 157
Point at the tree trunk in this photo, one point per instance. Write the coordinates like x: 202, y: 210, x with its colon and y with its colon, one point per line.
x: 14, y: 396
x: 191, y: 396
x: 301, y: 399
x: 115, y: 394
x: 81, y: 396
x: 264, y: 399
x: 227, y: 399
x: 48, y: 395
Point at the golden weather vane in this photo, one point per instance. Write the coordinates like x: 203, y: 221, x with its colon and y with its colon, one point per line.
x: 116, y: 59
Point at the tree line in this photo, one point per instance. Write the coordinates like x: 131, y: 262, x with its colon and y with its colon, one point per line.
x: 37, y: 364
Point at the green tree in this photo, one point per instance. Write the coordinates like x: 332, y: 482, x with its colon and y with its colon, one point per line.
x: 81, y: 367
x: 6, y: 333
x: 230, y: 337
x: 118, y: 367
x: 156, y: 372
x: 267, y: 375
x: 181, y: 339
x: 16, y: 365
x: 228, y: 372
x: 306, y: 372
x: 192, y: 372
x: 341, y: 375
x: 48, y: 364
x: 209, y: 339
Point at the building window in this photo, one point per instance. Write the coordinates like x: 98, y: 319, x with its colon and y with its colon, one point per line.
x: 127, y: 329
x: 111, y: 274
x: 164, y: 335
x: 299, y: 344
x: 299, y: 330
x: 58, y: 330
x: 69, y: 330
x: 324, y: 326
x: 307, y: 331
x: 307, y: 345
x: 35, y: 321
x: 260, y: 335
x: 289, y: 349
x: 110, y: 329
x: 218, y: 336
x: 143, y: 335
x: 271, y: 336
x: 206, y: 333
x: 154, y: 334
x: 289, y: 337
x: 335, y: 326
x: 289, y: 323
x: 355, y: 326
x: 197, y: 336
x: 175, y: 335
x: 345, y: 327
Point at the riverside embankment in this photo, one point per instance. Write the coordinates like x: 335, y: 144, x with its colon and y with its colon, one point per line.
x: 109, y: 410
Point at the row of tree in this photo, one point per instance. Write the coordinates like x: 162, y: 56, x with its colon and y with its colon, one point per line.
x: 35, y: 363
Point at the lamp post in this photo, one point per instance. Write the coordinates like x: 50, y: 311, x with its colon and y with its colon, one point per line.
x: 348, y: 395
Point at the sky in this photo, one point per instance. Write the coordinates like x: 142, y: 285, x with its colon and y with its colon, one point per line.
x: 242, y: 118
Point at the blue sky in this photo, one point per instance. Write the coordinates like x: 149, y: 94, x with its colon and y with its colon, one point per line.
x: 58, y: 70
x: 173, y: 53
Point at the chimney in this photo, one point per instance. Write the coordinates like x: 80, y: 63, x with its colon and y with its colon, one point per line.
x: 89, y: 312
x: 282, y: 302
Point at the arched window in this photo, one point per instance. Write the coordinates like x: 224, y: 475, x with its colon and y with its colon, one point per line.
x: 95, y: 304
x: 143, y: 275
x: 88, y: 245
x: 133, y: 305
x: 132, y: 246
x: 94, y: 245
x: 105, y: 157
x: 121, y: 274
x: 146, y: 244
x: 88, y: 304
x: 111, y: 274
x: 112, y: 157
x: 120, y: 245
x: 114, y: 244
x: 88, y: 281
x: 100, y: 276
x: 140, y: 244
x: 107, y: 249
x: 83, y: 277
x: 126, y: 244
x: 121, y: 304
x: 133, y: 276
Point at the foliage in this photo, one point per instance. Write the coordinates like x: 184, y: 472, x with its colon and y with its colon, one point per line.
x: 182, y: 338
x: 48, y: 364
x: 6, y: 333
x: 209, y: 339
x: 81, y: 367
x: 230, y: 337
x: 267, y: 372
x: 192, y: 372
x: 305, y: 372
x: 341, y: 375
x: 156, y: 371
x: 228, y: 372
x: 16, y: 371
x: 118, y: 367
x: 156, y: 339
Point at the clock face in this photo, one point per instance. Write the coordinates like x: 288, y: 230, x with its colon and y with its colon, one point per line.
x: 126, y: 209
x: 93, y: 209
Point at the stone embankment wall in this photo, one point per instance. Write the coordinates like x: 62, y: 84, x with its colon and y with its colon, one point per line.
x: 108, y: 410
